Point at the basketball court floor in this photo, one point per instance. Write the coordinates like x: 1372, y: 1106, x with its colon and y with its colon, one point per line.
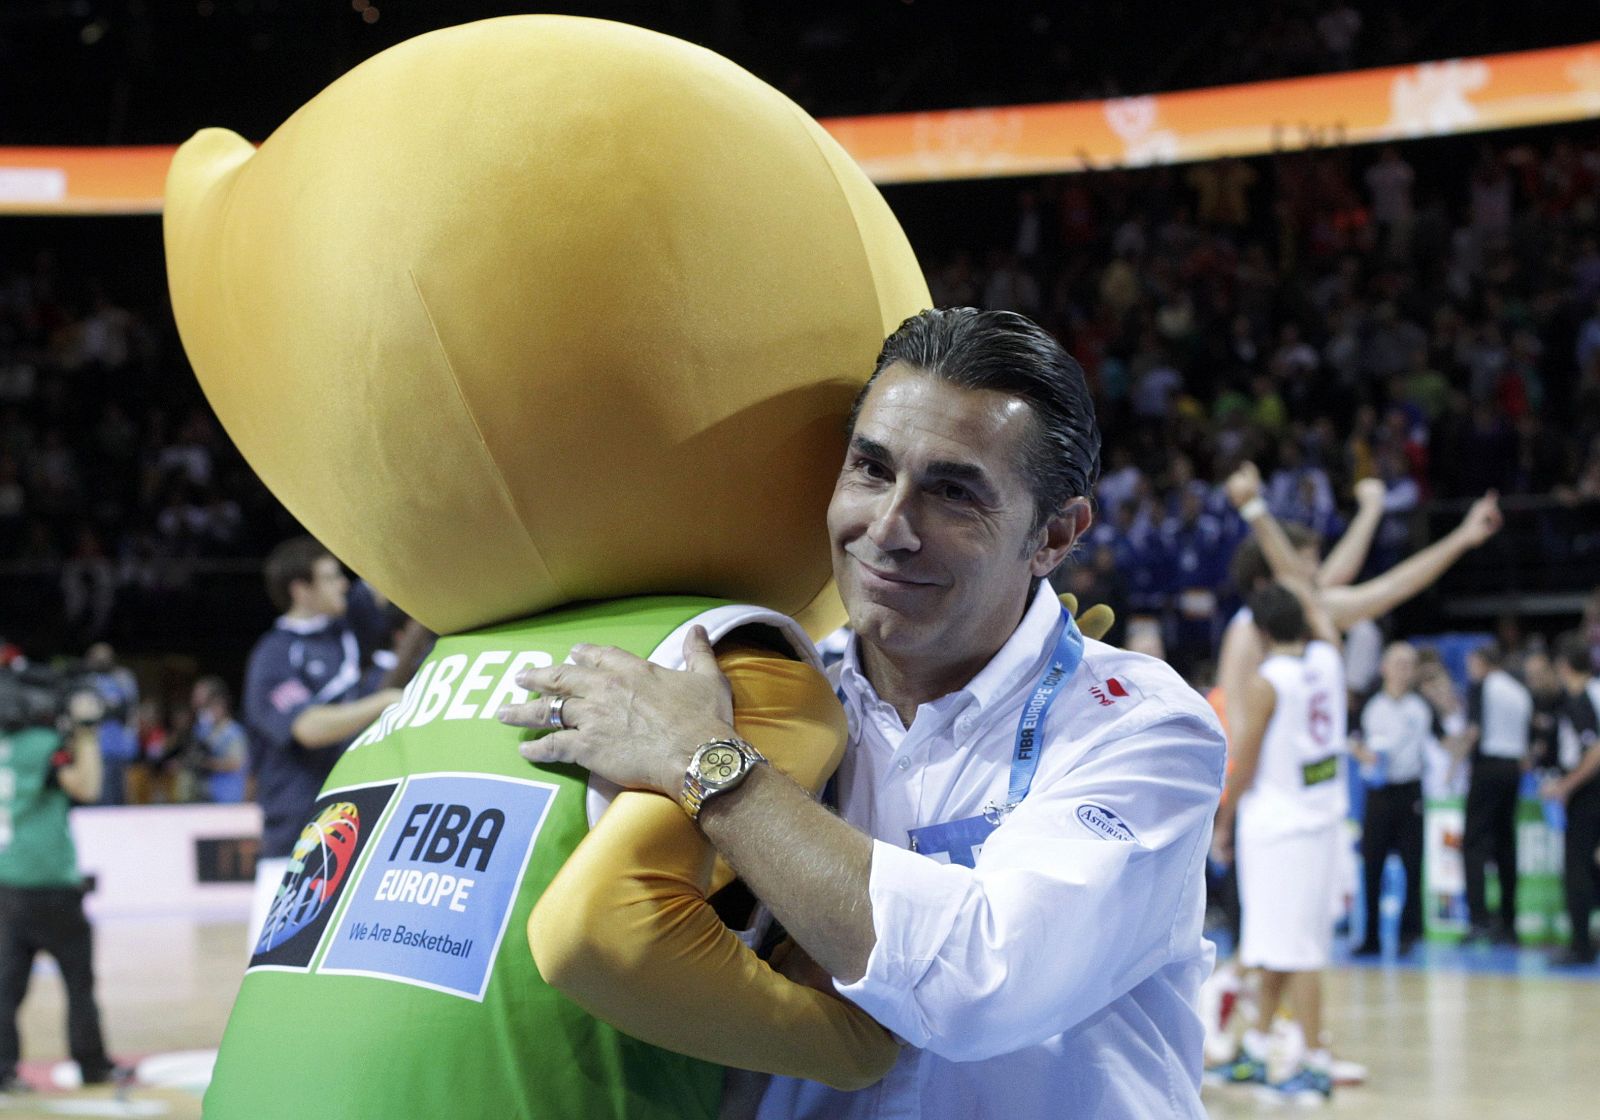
x: 1486, y: 1034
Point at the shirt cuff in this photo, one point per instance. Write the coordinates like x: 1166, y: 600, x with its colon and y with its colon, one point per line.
x: 915, y: 901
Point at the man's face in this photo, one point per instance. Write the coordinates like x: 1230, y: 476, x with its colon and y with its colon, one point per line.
x: 327, y: 588
x: 1399, y: 668
x: 931, y: 519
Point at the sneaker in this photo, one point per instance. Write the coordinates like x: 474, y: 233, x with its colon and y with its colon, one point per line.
x: 1570, y: 958
x: 1245, y: 1069
x: 117, y: 1075
x: 1306, y: 1082
x: 1367, y: 949
x: 1345, y: 1072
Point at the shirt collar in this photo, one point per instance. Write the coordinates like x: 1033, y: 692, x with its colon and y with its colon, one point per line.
x: 303, y: 626
x: 1016, y: 662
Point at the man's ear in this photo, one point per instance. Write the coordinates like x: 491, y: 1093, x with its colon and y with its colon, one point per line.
x: 1061, y: 532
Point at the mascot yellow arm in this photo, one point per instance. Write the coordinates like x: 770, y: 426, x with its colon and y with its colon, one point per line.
x: 625, y: 931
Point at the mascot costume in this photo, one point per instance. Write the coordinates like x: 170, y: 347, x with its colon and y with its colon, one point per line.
x: 548, y: 327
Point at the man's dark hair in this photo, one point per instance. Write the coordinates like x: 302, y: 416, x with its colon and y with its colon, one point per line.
x: 1009, y: 353
x: 1279, y: 614
x: 1249, y: 567
x: 1572, y: 650
x: 291, y: 561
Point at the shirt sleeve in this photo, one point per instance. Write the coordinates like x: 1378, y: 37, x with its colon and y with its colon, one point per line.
x: 625, y: 931
x: 274, y: 695
x: 1057, y: 920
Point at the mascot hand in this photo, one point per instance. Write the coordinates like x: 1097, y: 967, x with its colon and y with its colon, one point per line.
x: 1096, y: 622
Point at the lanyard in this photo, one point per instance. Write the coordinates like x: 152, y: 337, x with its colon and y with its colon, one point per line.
x: 960, y: 841
x: 1025, y: 756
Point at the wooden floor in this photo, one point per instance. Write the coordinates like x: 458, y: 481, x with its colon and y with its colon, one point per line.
x: 1439, y: 1041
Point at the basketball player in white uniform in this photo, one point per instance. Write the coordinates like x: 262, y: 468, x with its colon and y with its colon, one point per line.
x: 1287, y: 788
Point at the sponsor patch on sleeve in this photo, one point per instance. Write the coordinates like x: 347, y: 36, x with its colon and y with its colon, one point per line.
x: 290, y: 694
x: 1114, y: 690
x: 1104, y: 823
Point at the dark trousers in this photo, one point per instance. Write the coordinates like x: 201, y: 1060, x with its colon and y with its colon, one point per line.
x: 1578, y: 870
x: 1392, y: 822
x: 49, y: 919
x: 1490, y: 832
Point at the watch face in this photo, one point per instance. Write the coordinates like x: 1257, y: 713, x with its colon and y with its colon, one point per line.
x: 719, y: 765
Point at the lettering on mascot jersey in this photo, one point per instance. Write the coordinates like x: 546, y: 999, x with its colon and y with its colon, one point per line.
x: 457, y: 687
x: 434, y: 900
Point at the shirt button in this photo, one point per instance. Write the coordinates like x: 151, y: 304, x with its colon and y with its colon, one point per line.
x: 903, y: 764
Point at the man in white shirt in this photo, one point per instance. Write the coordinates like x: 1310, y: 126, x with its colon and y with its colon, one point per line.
x: 1499, y: 718
x: 1015, y: 887
x: 1391, y: 742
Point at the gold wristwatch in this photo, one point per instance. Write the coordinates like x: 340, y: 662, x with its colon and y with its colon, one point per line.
x: 717, y: 767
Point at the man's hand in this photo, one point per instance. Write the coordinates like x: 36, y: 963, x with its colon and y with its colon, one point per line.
x: 1482, y: 521
x: 1554, y: 789
x: 1222, y: 839
x: 625, y: 719
x: 1242, y: 485
x: 1370, y: 492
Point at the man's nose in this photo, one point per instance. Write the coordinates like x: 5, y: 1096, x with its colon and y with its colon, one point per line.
x: 893, y: 526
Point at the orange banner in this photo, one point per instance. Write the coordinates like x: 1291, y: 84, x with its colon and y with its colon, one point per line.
x: 1395, y: 103
x: 83, y: 180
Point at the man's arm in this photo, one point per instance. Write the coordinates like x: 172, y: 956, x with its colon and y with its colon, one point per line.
x: 1249, y: 728
x: 1588, y: 766
x: 625, y: 930
x: 1343, y: 562
x: 81, y: 777
x: 1237, y: 661
x: 1381, y: 594
x: 328, y: 725
x: 962, y: 961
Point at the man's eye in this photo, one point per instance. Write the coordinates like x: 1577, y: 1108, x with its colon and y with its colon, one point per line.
x: 954, y: 493
x: 871, y: 468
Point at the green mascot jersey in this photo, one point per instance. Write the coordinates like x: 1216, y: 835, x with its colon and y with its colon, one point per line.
x: 393, y: 977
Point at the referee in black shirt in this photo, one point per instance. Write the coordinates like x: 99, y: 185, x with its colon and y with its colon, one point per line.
x: 1578, y: 750
x: 1499, y: 720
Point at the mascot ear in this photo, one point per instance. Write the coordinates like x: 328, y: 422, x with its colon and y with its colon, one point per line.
x: 539, y: 310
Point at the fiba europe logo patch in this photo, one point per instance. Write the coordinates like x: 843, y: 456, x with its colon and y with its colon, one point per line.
x: 318, y: 864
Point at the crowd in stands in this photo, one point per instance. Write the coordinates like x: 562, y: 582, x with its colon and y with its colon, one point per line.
x: 1328, y: 314
x: 114, y: 475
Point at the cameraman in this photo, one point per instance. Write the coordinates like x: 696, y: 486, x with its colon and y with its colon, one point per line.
x: 44, y: 770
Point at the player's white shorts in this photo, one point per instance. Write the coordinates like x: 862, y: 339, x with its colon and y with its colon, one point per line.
x: 1285, y: 881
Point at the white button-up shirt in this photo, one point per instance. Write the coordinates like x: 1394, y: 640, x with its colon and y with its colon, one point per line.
x: 1058, y: 977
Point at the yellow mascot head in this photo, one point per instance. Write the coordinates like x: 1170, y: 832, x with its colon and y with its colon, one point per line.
x: 539, y: 310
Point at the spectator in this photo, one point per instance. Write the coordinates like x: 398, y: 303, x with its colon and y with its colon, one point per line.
x: 119, y: 732
x: 223, y: 755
